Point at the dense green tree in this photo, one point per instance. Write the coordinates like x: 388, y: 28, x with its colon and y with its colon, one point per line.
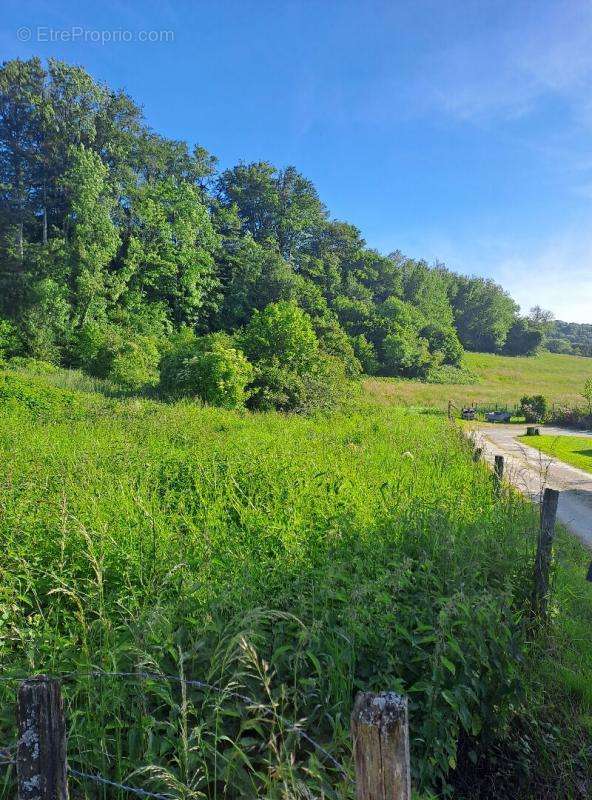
x: 170, y: 249
x: 280, y: 206
x: 524, y: 338
x: 114, y: 238
x: 92, y: 237
x: 483, y: 313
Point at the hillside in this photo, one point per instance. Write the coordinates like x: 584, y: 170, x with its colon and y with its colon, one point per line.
x: 120, y: 248
x: 502, y: 380
x: 569, y: 337
x: 294, y: 560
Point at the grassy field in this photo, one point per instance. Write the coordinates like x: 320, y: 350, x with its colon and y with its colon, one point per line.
x: 293, y: 561
x: 503, y: 379
x: 576, y: 450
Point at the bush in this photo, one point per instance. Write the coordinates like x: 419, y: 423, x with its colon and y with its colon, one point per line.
x: 523, y: 339
x: 20, y: 392
x: 209, y: 367
x: 135, y: 366
x: 10, y: 343
x: 291, y: 371
x: 94, y: 346
x: 281, y: 334
x: 366, y: 354
x: 110, y: 352
x: 444, y: 344
x: 534, y: 408
x: 406, y: 353
x: 323, y: 387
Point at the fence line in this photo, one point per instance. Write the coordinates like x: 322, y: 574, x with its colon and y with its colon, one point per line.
x: 381, y: 741
x: 156, y: 676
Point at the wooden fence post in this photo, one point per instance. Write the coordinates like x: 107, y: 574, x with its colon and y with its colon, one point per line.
x: 380, y: 731
x: 498, y: 472
x: 545, y: 551
x: 450, y: 409
x: 477, y: 453
x: 41, y: 765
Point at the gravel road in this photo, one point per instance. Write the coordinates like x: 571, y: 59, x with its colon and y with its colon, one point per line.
x: 531, y: 471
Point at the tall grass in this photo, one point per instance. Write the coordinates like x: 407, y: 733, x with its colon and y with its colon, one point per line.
x: 290, y: 560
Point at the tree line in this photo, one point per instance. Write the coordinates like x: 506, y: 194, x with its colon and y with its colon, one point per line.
x: 132, y: 257
x: 569, y: 338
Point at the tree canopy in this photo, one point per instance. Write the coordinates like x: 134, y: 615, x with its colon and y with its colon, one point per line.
x: 114, y: 239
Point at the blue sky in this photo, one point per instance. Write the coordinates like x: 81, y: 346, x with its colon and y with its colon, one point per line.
x: 458, y: 130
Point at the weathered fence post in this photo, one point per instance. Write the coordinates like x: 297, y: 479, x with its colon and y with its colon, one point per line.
x: 380, y: 731
x: 498, y: 472
x: 542, y: 566
x: 41, y: 764
x: 450, y: 409
x: 477, y: 453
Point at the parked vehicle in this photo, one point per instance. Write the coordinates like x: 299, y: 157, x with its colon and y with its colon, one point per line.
x: 499, y: 416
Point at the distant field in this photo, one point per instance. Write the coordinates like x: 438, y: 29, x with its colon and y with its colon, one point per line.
x: 504, y: 379
x: 576, y: 450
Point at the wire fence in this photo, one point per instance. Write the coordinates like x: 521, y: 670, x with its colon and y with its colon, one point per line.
x: 8, y: 754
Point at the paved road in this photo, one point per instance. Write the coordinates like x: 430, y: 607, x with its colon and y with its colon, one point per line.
x: 531, y: 471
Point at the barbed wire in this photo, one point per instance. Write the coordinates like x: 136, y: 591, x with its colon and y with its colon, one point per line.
x: 203, y: 685
x: 106, y: 782
x: 293, y: 728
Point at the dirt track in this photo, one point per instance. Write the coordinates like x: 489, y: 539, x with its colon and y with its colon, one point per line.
x: 531, y: 471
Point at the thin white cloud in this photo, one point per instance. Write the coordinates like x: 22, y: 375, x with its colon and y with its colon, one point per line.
x: 506, y: 71
x: 557, y: 276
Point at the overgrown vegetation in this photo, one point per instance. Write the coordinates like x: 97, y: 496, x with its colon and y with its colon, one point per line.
x: 115, y: 240
x: 291, y: 559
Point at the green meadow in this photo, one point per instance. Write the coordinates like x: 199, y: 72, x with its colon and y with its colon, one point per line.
x: 500, y: 379
x: 292, y: 560
x: 575, y: 450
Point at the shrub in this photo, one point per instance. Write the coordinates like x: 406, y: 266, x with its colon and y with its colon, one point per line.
x: 281, y: 334
x: 444, y: 344
x: 334, y: 341
x: 94, y: 346
x: 9, y: 340
x: 291, y: 372
x: 523, y: 339
x: 366, y: 354
x: 110, y: 352
x: 534, y: 407
x: 322, y: 388
x: 45, y: 323
x: 406, y: 353
x: 20, y: 392
x: 587, y: 394
x: 135, y: 366
x: 209, y: 367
